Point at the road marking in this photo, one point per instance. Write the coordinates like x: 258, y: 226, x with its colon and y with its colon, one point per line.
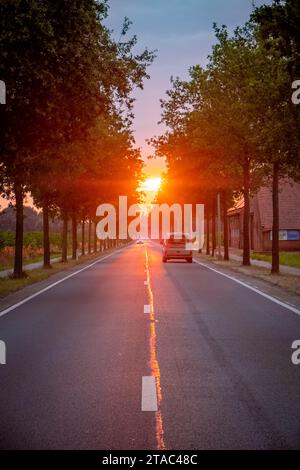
x: 36, y: 294
x: 154, y: 364
x: 254, y: 289
x: 149, y: 396
x: 147, y: 309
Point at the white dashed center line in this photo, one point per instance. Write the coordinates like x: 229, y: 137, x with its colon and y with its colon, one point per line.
x: 147, y: 309
x: 149, y: 396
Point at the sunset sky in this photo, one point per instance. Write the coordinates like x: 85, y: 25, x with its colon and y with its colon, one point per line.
x: 182, y: 33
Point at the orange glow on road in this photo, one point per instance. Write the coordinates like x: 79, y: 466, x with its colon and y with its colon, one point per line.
x: 154, y: 365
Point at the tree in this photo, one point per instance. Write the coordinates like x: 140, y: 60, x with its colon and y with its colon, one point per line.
x: 210, y: 112
x: 63, y: 71
x: 235, y: 119
x: 277, y: 32
x: 23, y: 26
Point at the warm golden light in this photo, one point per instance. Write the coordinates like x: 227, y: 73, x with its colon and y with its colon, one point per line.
x: 151, y: 184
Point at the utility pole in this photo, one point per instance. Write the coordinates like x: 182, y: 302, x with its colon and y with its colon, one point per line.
x: 219, y: 227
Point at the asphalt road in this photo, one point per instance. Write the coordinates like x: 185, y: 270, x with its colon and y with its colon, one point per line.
x: 220, y: 354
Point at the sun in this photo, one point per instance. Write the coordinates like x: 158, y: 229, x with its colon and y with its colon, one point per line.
x: 151, y: 184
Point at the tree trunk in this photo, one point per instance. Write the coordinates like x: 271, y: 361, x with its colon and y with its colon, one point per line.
x: 46, y: 239
x: 64, y: 257
x: 275, y: 228
x: 246, y: 221
x: 18, y: 261
x: 90, y: 237
x: 95, y: 239
x: 83, y: 238
x: 74, y: 236
x: 225, y: 225
x: 207, y: 231
x: 214, y: 241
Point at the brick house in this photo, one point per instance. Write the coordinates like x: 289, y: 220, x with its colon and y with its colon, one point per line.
x: 261, y: 219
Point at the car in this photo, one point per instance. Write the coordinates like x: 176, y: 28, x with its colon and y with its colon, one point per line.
x: 174, y: 247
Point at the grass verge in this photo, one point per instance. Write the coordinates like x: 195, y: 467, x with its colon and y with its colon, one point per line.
x: 286, y: 258
x: 31, y: 260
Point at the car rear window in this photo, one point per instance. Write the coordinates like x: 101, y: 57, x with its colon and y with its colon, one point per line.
x: 176, y: 241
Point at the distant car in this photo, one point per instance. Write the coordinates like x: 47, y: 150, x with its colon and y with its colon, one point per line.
x: 174, y: 247
x: 140, y: 242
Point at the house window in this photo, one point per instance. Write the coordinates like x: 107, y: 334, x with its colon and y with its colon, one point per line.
x: 288, y: 235
x: 293, y: 235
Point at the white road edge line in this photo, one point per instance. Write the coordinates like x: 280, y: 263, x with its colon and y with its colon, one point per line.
x: 254, y: 289
x: 36, y: 294
x: 149, y: 395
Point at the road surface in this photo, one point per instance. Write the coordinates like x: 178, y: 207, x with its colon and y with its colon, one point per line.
x: 80, y: 357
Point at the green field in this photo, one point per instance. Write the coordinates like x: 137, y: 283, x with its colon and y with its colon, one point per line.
x: 31, y: 239
x: 32, y: 247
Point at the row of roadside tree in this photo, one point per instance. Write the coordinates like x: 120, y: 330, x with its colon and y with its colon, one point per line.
x: 232, y: 126
x: 66, y: 127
